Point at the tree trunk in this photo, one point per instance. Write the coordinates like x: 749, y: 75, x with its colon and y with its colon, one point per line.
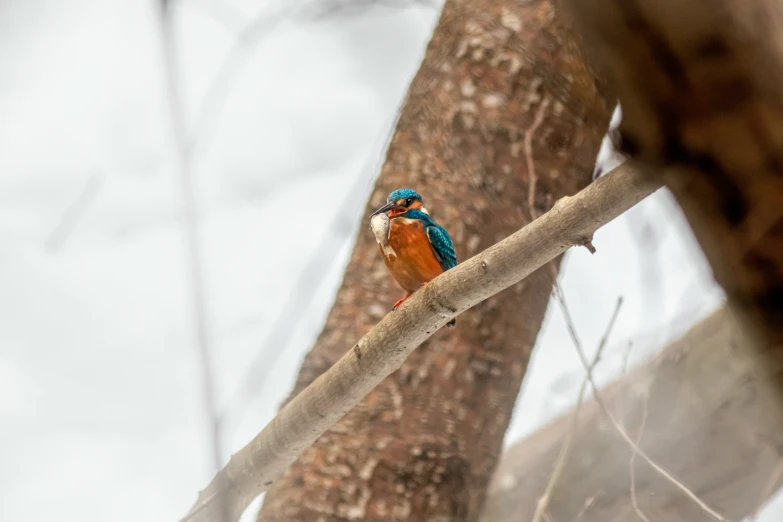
x: 707, y: 423
x: 701, y: 91
x: 423, y: 444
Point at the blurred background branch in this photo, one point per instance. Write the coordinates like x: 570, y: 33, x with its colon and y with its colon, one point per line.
x: 560, y: 298
x: 249, y: 35
x: 565, y: 447
x: 193, y: 255
x: 74, y: 213
x: 701, y: 397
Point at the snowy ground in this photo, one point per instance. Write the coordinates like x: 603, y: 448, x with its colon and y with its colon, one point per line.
x: 99, y: 387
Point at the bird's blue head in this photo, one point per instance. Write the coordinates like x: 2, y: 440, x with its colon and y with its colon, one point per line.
x: 400, y: 201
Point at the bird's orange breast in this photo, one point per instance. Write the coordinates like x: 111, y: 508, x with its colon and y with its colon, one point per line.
x: 415, y: 262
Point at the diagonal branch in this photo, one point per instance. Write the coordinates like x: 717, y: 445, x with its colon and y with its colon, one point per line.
x: 382, y: 350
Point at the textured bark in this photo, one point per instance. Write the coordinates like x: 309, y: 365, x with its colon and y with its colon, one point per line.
x: 701, y: 87
x: 708, y: 423
x: 423, y: 444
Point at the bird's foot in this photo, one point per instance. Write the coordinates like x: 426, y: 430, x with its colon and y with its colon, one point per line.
x: 398, y: 303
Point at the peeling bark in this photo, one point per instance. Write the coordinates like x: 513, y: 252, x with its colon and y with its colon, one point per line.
x: 708, y: 422
x: 701, y: 89
x: 423, y: 444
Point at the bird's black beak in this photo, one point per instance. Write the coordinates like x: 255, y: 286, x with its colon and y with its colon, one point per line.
x: 387, y: 207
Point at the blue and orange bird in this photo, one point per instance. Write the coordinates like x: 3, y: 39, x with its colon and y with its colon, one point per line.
x: 420, y: 249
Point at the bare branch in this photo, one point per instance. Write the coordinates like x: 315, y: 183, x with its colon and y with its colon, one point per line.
x: 192, y: 242
x: 704, y: 393
x: 234, y: 62
x: 220, y: 12
x: 632, y: 460
x: 238, y: 56
x: 329, y: 8
x: 236, y: 59
x: 385, y: 347
x: 623, y: 433
x: 589, y: 502
x: 565, y: 447
x: 74, y: 213
x: 626, y: 356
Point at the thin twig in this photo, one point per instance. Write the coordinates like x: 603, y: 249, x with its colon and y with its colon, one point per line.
x: 632, y: 460
x: 222, y: 13
x: 308, y: 283
x: 237, y: 59
x: 623, y: 433
x: 565, y: 447
x: 234, y: 62
x: 285, y: 326
x: 589, y: 502
x: 626, y: 356
x: 74, y: 213
x: 531, y: 166
x: 329, y: 8
x: 210, y: 109
x: 190, y: 215
x: 777, y: 473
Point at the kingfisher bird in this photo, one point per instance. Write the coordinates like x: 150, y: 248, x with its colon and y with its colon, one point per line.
x: 420, y: 249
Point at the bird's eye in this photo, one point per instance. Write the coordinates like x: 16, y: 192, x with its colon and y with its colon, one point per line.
x: 409, y: 202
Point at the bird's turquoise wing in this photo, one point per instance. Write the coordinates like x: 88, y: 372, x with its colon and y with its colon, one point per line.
x: 442, y: 246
